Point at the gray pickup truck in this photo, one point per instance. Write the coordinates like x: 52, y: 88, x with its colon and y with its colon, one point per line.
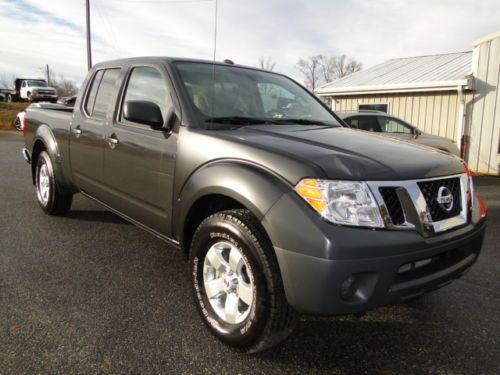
x: 279, y: 206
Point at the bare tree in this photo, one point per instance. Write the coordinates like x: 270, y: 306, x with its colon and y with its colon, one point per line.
x: 267, y: 63
x: 64, y: 87
x: 7, y: 81
x: 311, y: 68
x: 345, y: 65
x: 321, y: 69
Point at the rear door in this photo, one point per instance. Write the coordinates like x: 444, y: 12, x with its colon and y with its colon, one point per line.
x: 138, y: 160
x: 87, y: 131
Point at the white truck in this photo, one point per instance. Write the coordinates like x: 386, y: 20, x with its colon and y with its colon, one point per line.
x: 31, y: 90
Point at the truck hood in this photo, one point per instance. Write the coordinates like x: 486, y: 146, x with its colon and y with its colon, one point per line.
x: 343, y: 153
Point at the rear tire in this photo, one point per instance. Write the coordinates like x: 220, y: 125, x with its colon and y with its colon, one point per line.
x: 246, y: 309
x: 52, y: 198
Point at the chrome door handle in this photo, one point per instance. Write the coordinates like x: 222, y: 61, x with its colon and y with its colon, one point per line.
x: 112, y: 141
x: 77, y: 131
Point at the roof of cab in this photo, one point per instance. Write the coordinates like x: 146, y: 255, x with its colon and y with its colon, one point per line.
x: 167, y: 59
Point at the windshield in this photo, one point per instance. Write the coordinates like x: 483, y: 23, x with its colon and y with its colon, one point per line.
x: 37, y: 84
x: 234, y: 95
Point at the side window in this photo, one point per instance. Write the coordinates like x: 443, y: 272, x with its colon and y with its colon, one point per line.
x: 105, y: 93
x: 390, y: 125
x: 367, y: 123
x: 89, y: 101
x: 146, y: 83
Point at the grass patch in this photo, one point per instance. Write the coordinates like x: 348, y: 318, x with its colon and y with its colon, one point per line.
x: 8, y: 112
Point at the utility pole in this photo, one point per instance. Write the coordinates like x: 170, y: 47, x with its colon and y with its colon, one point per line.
x: 48, y: 75
x: 89, y: 49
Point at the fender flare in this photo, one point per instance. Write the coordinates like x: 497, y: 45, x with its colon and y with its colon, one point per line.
x: 250, y: 184
x: 45, y: 135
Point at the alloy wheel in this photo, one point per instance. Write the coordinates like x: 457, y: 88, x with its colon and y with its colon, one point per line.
x: 228, y: 282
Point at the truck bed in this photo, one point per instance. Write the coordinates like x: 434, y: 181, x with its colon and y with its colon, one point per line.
x: 56, y: 117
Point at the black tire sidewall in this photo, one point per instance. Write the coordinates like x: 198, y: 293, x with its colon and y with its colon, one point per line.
x: 44, y: 158
x: 211, y: 231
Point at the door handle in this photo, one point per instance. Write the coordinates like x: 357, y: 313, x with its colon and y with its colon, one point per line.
x: 78, y: 131
x: 112, y: 141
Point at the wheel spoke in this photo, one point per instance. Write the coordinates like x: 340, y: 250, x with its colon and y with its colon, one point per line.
x: 214, y: 287
x: 216, y: 260
x: 235, y: 259
x: 231, y: 308
x: 228, y: 282
x: 245, y: 292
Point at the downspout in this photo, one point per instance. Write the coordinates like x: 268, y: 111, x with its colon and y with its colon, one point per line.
x: 461, y: 137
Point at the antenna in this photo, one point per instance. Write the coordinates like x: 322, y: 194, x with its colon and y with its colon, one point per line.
x: 215, y: 30
x: 213, y: 65
x: 89, y: 49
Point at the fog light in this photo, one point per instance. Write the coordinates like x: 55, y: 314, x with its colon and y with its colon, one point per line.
x: 349, y: 288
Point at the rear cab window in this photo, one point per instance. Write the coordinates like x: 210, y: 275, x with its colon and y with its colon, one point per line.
x: 100, y: 95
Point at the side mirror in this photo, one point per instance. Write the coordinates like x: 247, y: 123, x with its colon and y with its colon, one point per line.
x: 416, y: 132
x: 143, y: 112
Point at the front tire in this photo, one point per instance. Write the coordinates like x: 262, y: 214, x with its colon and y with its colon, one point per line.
x: 237, y: 282
x: 52, y: 198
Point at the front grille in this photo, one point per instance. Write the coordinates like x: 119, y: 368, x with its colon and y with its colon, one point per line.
x: 394, y: 208
x: 45, y: 92
x: 430, y: 191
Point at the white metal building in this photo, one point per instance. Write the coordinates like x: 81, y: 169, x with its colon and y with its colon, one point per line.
x: 453, y: 95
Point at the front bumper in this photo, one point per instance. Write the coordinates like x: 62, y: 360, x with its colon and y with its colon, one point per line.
x: 335, y: 270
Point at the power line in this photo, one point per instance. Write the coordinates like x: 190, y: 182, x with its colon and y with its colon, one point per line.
x: 107, y: 25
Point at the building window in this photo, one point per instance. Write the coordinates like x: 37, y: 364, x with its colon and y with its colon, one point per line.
x: 381, y: 107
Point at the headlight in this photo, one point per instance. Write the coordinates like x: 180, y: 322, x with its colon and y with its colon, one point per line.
x: 342, y: 202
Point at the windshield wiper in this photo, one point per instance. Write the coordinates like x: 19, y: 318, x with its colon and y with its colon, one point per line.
x: 299, y: 121
x: 238, y: 120
x: 243, y: 120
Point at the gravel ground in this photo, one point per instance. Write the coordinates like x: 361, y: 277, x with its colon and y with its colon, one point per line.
x: 90, y: 293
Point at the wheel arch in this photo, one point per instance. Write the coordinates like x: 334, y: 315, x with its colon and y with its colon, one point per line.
x: 44, y: 140
x: 225, y: 185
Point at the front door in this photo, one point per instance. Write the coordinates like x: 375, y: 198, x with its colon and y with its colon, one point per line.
x: 395, y: 128
x: 23, y: 92
x: 139, y: 161
x: 87, y: 132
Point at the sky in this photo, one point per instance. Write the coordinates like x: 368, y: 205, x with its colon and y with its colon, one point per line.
x: 35, y: 33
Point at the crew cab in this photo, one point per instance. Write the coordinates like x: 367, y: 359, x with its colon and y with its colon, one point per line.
x: 280, y: 208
